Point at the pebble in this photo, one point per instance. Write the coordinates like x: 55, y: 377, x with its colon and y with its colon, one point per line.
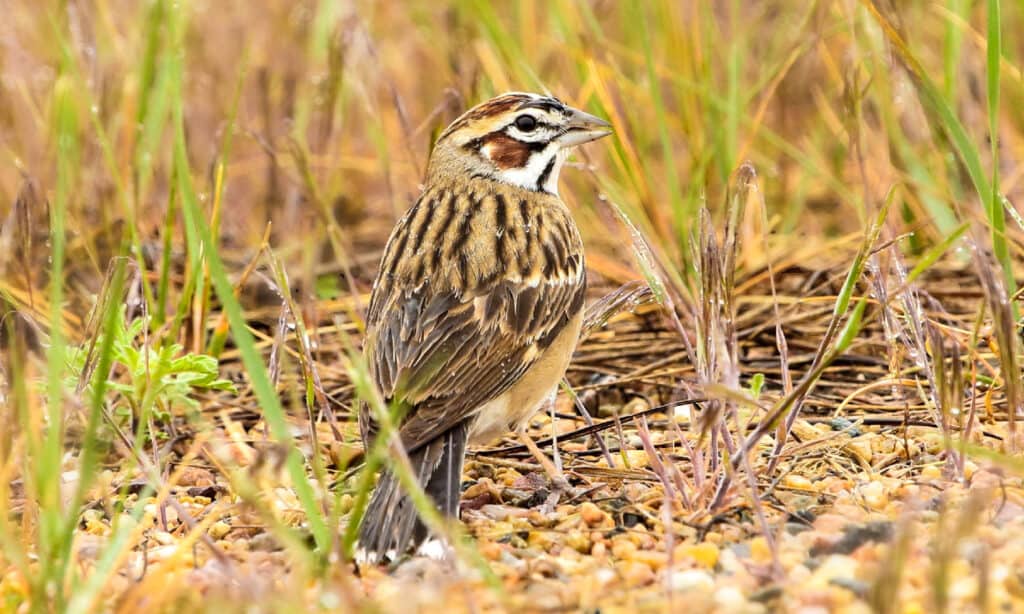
x: 636, y: 574
x: 94, y: 524
x: 490, y: 550
x: 760, y: 550
x: 623, y: 548
x: 578, y: 541
x: 798, y: 482
x: 653, y: 559
x: 197, y: 476
x: 731, y: 599
x: 543, y: 540
x: 705, y: 554
x: 161, y: 553
x: 833, y: 567
x: 860, y: 448
x: 163, y: 537
x: 691, y: 579
x: 875, y: 495
x: 592, y: 515
x: 219, y: 529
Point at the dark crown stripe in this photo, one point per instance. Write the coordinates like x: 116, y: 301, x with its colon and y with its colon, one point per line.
x: 547, y: 104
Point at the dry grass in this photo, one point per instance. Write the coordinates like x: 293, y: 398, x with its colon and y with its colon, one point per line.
x: 811, y: 398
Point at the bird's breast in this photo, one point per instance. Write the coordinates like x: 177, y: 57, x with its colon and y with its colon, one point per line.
x: 514, y: 409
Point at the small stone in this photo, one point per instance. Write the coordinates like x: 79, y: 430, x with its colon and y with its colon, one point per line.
x: 345, y: 503
x: 861, y: 449
x: 94, y: 525
x: 161, y: 553
x: 1013, y: 579
x: 623, y: 548
x: 730, y: 599
x: 197, y: 476
x: 760, y: 552
x: 219, y: 529
x: 875, y: 495
x: 538, y: 519
x: 853, y: 537
x: 833, y: 567
x: 605, y: 576
x: 691, y: 579
x: 652, y: 558
x: 264, y: 542
x: 705, y: 554
x: 500, y: 513
x: 713, y: 537
x: 798, y: 482
x: 163, y: 537
x: 482, y: 486
x: 542, y: 540
x: 592, y: 515
x: 578, y: 541
x: 636, y: 574
x: 491, y: 551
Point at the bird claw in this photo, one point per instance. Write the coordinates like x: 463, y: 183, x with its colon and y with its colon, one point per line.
x: 559, y: 486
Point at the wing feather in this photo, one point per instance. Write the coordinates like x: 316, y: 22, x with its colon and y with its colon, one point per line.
x: 444, y: 346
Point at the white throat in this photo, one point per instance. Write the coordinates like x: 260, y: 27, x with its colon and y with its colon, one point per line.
x: 540, y: 172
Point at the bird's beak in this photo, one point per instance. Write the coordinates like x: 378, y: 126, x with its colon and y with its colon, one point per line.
x: 583, y: 128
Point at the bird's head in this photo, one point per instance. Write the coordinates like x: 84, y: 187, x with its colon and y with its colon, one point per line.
x: 516, y: 138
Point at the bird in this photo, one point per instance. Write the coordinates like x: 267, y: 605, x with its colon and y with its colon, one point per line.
x: 477, y: 305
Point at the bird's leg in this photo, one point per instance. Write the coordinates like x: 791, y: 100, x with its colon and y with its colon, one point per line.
x: 557, y: 478
x: 559, y: 482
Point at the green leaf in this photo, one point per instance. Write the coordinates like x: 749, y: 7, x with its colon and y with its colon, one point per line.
x: 756, y: 384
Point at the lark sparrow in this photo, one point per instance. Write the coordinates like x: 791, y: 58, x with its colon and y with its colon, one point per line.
x: 477, y: 306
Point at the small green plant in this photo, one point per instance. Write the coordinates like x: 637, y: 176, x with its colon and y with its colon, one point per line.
x: 151, y: 381
x: 756, y: 384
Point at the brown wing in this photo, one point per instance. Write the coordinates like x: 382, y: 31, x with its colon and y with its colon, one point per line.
x: 444, y: 343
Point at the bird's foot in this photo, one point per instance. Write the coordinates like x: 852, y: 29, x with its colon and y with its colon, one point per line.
x: 559, y: 483
x: 561, y: 490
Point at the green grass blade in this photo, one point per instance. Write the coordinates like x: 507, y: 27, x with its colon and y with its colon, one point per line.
x: 89, y: 456
x: 965, y: 149
x: 47, y: 467
x: 201, y: 241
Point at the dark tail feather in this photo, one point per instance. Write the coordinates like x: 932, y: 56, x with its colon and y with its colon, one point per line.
x: 391, y: 526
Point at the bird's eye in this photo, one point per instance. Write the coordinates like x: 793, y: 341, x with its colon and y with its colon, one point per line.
x: 526, y: 123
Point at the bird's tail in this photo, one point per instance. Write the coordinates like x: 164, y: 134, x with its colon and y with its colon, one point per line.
x: 391, y: 525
